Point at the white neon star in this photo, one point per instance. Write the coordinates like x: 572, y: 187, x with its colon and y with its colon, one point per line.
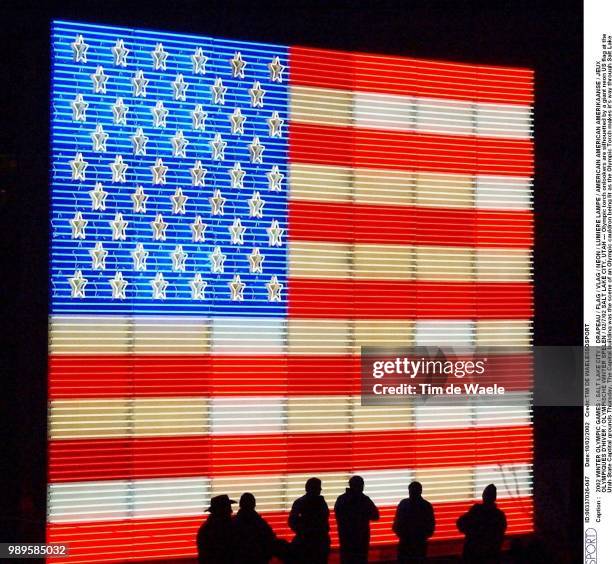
x: 218, y: 148
x: 139, y: 142
x: 119, y: 225
x: 274, y: 289
x: 78, y: 165
x: 99, y: 138
x: 275, y: 177
x: 98, y: 257
x: 275, y: 233
x: 99, y: 80
x: 120, y: 53
x: 199, y: 61
x: 198, y: 174
x: 276, y: 70
x: 218, y: 91
x: 256, y: 261
x: 179, y: 200
x: 237, y: 230
x: 159, y: 171
x: 120, y: 111
x: 178, y: 259
x: 118, y: 285
x: 256, y: 205
x: 238, y: 65
x: 98, y: 197
x: 237, y: 288
x: 118, y: 168
x: 139, y: 256
x: 78, y: 224
x: 79, y: 108
x: 198, y: 229
x: 139, y: 83
x: 77, y: 284
x: 198, y: 118
x: 256, y: 150
x: 159, y: 228
x: 275, y: 124
x: 217, y: 259
x: 217, y: 201
x: 198, y: 287
x: 79, y: 50
x: 257, y: 94
x: 179, y: 144
x: 140, y: 200
x: 237, y: 121
x: 180, y: 88
x: 159, y: 57
x: 159, y: 287
x: 160, y: 113
x: 237, y: 176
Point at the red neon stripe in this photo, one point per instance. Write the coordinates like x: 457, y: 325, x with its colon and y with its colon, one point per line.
x: 408, y: 76
x: 232, y: 455
x: 374, y: 299
x: 370, y: 148
x: 408, y: 225
x: 151, y: 376
x: 155, y: 539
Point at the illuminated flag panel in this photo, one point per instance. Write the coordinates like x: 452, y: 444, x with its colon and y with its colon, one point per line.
x: 231, y: 222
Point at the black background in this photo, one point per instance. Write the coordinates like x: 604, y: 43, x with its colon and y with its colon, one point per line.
x: 546, y: 36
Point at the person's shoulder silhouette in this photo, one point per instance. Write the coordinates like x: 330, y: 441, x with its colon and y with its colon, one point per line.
x: 215, y: 538
x: 309, y: 520
x: 484, y: 526
x: 254, y: 539
x: 354, y: 510
x: 414, y: 524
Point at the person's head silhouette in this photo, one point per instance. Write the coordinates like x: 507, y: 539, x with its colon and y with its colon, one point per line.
x: 220, y: 506
x: 356, y: 484
x: 415, y: 489
x: 489, y: 494
x: 313, y: 486
x: 247, y: 502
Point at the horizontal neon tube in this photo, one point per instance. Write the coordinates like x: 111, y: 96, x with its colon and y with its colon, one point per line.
x: 367, y: 148
x: 313, y: 298
x: 401, y: 75
x: 380, y: 224
x: 112, y: 459
x: 101, y: 376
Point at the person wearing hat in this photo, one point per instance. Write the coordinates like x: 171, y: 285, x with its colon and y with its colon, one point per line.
x: 215, y: 537
x: 484, y: 526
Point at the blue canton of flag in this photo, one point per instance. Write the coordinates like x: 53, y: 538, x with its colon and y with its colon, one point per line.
x: 169, y: 174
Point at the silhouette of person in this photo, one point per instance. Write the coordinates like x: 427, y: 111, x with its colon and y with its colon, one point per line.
x: 309, y: 520
x: 483, y: 525
x: 215, y: 537
x: 414, y: 523
x: 354, y: 510
x: 254, y: 539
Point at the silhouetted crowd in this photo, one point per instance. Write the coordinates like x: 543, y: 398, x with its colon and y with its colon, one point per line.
x: 247, y: 538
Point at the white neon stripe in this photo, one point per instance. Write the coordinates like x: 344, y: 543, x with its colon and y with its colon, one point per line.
x: 110, y: 335
x: 329, y: 183
x: 247, y: 415
x: 117, y: 500
x: 327, y: 106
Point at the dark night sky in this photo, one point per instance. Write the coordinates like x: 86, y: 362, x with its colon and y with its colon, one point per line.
x: 546, y: 36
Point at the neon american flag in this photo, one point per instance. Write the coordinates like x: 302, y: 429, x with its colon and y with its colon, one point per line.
x: 231, y: 222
